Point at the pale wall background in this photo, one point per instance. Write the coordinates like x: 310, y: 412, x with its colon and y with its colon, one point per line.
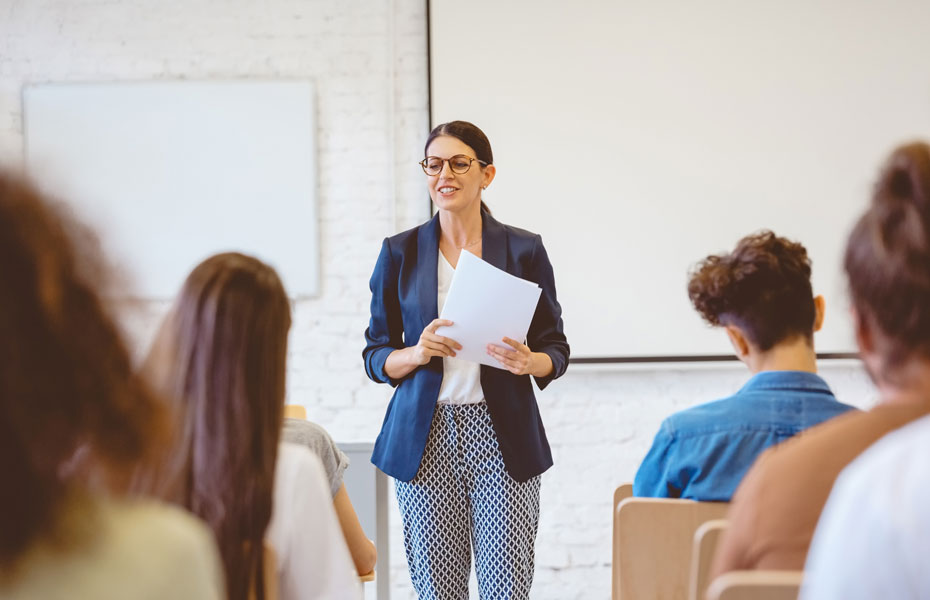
x: 368, y: 61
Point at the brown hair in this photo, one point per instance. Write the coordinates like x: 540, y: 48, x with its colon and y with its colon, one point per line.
x: 221, y: 354
x: 888, y: 254
x: 763, y: 287
x: 66, y: 379
x: 470, y: 135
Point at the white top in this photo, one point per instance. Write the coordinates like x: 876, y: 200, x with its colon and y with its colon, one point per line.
x: 141, y: 550
x: 873, y: 538
x: 461, y: 379
x: 313, y: 559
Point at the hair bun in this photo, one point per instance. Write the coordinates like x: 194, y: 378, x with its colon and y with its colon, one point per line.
x: 906, y: 178
x: 887, y: 257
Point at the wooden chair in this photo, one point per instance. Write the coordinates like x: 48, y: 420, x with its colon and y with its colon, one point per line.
x: 623, y: 491
x: 705, y: 543
x: 295, y: 411
x: 756, y: 585
x: 652, y: 549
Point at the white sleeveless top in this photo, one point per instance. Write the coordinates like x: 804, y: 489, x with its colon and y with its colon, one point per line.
x: 461, y: 379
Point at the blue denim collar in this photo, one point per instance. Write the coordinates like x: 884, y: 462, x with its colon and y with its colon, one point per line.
x: 786, y: 380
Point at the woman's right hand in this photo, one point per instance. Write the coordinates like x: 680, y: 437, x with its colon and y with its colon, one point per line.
x: 432, y: 344
x: 402, y: 362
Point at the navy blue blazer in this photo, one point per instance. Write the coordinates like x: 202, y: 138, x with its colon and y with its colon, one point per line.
x: 403, y: 303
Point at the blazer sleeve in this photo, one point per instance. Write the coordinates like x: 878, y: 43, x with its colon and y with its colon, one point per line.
x: 545, y: 333
x: 385, y: 328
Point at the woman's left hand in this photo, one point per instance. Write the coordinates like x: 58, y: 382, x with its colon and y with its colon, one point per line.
x: 521, y: 360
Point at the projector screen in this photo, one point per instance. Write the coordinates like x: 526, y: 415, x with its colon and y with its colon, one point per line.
x: 638, y: 138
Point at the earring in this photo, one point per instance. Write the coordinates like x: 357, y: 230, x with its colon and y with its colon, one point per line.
x: 484, y: 187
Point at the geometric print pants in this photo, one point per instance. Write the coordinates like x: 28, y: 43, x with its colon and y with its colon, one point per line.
x: 462, y: 500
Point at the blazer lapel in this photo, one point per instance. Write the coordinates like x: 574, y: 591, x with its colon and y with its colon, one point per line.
x: 427, y: 263
x: 493, y: 242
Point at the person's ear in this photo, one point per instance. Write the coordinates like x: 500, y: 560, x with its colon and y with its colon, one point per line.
x: 489, y: 172
x: 738, y: 341
x: 820, y: 308
x: 867, y: 340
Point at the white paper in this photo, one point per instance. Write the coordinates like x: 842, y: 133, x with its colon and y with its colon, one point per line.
x: 486, y: 304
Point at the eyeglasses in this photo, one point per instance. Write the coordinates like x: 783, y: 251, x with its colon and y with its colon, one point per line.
x: 432, y: 165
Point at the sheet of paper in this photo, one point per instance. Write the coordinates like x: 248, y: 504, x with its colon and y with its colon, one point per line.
x: 486, y: 304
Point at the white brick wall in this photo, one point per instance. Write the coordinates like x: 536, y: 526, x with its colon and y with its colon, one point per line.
x: 368, y: 61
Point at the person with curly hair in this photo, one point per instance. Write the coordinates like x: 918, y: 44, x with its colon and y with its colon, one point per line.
x: 761, y: 295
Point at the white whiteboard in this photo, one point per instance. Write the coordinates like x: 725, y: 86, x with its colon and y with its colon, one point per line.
x: 171, y: 172
x: 638, y: 137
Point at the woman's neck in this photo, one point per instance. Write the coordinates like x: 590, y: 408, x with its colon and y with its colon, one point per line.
x: 459, y: 229
x: 908, y: 383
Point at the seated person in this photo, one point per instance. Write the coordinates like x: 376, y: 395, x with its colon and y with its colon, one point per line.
x: 872, y: 538
x: 67, y: 383
x: 309, y: 434
x: 776, y: 508
x: 221, y: 358
x: 761, y: 295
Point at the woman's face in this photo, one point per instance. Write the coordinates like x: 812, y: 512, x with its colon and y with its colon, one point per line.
x: 456, y: 192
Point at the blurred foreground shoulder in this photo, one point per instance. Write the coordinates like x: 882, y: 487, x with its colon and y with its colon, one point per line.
x: 115, y: 549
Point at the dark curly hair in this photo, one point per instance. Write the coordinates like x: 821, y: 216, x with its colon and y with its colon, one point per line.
x: 887, y: 257
x: 66, y: 380
x: 763, y: 287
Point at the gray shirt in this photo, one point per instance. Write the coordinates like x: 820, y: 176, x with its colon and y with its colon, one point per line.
x: 309, y: 434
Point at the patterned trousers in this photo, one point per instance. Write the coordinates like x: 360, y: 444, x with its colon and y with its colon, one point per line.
x: 462, y: 499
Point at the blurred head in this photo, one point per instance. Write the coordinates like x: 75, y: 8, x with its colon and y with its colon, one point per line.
x: 221, y: 355
x: 761, y: 291
x: 66, y: 380
x: 887, y: 263
x: 452, y: 148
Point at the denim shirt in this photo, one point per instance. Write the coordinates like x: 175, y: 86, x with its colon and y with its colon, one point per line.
x: 702, y: 453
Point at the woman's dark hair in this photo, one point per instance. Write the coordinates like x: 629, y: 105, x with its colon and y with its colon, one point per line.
x: 66, y: 379
x: 763, y: 287
x: 887, y: 257
x: 221, y: 355
x: 470, y: 135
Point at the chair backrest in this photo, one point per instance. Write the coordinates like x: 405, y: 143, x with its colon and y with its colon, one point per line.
x: 756, y: 585
x: 295, y: 411
x: 623, y: 491
x: 652, y: 554
x: 702, y: 556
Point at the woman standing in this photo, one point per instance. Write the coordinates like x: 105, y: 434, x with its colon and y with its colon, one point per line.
x: 464, y: 442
